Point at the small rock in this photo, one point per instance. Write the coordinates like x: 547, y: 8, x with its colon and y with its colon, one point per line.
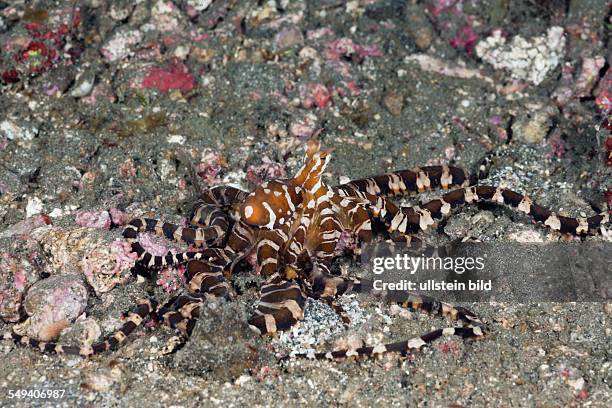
x: 85, y: 332
x: 84, y: 85
x: 418, y: 25
x: 532, y: 126
x: 394, y: 103
x: 120, y: 46
x: 120, y: 11
x: 13, y: 131
x: 104, y: 262
x: 166, y: 17
x: 102, y: 379
x: 34, y: 207
x: 199, y: 5
x: 52, y: 304
x: 288, y: 38
x: 94, y: 219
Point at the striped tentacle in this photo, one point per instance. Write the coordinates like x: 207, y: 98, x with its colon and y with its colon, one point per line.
x: 314, y: 165
x: 240, y: 239
x: 205, y: 274
x: 280, y: 306
x: 408, y: 182
x: 223, y: 196
x: 377, y: 207
x: 133, y: 320
x: 327, y: 229
x: 357, y: 214
x: 313, y: 228
x: 472, y: 328
x: 323, y: 285
x: 181, y: 313
x: 414, y: 218
x: 402, y: 347
x: 269, y: 248
x: 208, y: 217
x: 196, y: 236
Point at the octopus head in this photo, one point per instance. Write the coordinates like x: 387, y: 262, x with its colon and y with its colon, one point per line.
x: 270, y: 206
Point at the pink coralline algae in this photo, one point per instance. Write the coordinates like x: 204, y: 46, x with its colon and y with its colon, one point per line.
x: 175, y: 76
x: 345, y: 48
x: 266, y: 171
x: 124, y: 256
x: 588, y: 75
x: 118, y: 217
x: 16, y: 274
x: 304, y: 127
x: 210, y: 166
x: 583, y: 84
x: 100, y: 92
x: 121, y: 45
x: 465, y: 39
x: 171, y: 279
x: 604, y: 96
x: 315, y: 95
x: 437, y: 7
x: 449, y: 347
x: 94, y: 219
x: 154, y: 245
x: 320, y: 32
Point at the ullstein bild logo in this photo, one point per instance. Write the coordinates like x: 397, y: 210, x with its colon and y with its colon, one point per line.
x: 519, y: 272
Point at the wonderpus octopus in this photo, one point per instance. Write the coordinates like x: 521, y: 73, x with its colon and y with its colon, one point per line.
x: 293, y: 227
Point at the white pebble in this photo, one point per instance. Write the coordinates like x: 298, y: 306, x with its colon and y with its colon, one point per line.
x: 177, y: 139
x: 34, y: 206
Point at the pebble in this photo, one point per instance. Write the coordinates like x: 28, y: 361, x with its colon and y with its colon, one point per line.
x: 84, y: 85
x: 120, y: 45
x: 92, y: 251
x: 34, y: 206
x: 12, y: 131
x: 176, y: 139
x: 533, y: 124
x: 52, y: 304
x: 199, y: 5
x: 394, y: 103
x: 287, y: 38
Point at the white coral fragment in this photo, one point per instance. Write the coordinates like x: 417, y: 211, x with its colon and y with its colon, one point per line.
x: 530, y: 60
